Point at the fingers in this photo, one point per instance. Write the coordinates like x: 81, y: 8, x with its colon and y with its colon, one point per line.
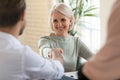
x: 61, y: 51
x: 49, y: 55
x: 56, y: 52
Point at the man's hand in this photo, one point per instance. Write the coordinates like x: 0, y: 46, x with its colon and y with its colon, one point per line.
x: 56, y: 54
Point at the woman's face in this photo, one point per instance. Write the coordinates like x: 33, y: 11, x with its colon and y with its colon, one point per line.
x: 60, y: 23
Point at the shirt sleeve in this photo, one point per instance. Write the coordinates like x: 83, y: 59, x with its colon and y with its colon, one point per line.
x: 37, y: 67
x: 83, y: 50
x: 44, y: 47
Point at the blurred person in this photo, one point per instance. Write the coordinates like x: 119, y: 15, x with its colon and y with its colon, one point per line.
x: 17, y: 61
x: 105, y: 65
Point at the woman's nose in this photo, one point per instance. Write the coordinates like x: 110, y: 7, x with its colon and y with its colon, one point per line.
x: 59, y: 24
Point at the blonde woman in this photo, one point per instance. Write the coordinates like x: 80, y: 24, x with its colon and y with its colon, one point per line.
x: 61, y: 21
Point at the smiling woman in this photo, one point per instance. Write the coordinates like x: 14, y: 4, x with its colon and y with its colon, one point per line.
x: 61, y: 21
x: 87, y: 21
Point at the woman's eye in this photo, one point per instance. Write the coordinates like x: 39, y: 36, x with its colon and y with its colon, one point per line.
x: 55, y: 20
x: 63, y: 19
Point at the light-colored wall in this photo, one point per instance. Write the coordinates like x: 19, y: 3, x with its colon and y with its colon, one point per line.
x: 37, y: 22
x: 105, y: 8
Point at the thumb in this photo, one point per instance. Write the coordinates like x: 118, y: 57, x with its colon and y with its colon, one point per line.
x: 61, y: 51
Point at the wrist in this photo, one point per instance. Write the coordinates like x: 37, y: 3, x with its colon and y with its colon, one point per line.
x: 59, y: 59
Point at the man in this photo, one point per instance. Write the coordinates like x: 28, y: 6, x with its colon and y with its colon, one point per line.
x: 105, y: 65
x: 19, y: 62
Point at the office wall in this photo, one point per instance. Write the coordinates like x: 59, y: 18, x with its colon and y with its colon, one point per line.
x: 37, y: 22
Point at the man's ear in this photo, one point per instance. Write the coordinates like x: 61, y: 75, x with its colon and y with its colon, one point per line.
x: 23, y: 16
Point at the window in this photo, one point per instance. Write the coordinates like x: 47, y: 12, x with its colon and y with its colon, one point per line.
x: 90, y: 32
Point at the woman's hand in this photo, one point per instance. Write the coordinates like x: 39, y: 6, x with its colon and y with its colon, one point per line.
x: 56, y: 54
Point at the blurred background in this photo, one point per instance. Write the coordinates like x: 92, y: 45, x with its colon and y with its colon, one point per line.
x: 92, y: 33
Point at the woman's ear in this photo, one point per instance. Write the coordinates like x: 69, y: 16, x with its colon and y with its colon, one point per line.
x: 71, y: 20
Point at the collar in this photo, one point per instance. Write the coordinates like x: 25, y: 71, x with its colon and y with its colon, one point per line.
x: 10, y: 38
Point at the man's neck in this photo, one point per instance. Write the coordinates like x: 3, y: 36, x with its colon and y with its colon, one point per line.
x: 9, y: 31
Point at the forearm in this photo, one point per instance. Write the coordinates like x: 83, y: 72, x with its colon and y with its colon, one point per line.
x: 37, y: 67
x: 44, y: 46
x: 44, y: 52
x: 86, y: 53
x: 59, y: 59
x: 101, y: 69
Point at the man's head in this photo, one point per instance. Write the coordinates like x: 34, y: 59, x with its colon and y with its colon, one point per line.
x: 11, y: 12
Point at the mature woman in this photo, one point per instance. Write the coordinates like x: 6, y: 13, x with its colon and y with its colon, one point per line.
x: 61, y: 21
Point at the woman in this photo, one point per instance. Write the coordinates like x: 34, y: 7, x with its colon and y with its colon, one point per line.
x: 62, y: 20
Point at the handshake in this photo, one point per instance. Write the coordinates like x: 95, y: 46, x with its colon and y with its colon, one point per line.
x: 56, y: 54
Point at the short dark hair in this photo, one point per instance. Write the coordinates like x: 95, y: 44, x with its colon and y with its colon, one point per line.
x: 10, y: 12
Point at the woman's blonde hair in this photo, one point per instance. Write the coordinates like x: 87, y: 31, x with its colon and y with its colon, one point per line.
x: 63, y: 9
